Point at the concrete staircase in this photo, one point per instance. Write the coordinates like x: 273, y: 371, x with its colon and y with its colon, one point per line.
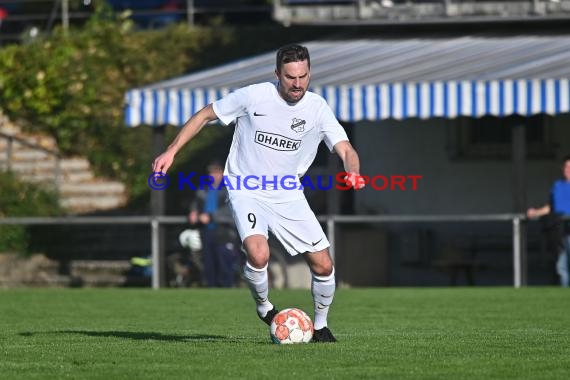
x: 34, y: 158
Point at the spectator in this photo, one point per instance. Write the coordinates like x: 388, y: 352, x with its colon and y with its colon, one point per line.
x: 219, y: 248
x: 558, y: 230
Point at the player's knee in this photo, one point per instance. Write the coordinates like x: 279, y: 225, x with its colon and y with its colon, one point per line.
x: 257, y: 262
x: 328, y: 270
x: 323, y: 269
x: 257, y: 252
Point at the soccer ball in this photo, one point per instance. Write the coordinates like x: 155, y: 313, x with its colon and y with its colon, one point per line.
x: 291, y: 326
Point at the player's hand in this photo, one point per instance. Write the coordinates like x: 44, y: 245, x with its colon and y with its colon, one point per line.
x: 162, y: 163
x: 532, y: 213
x: 204, y: 218
x: 193, y: 217
x: 355, y: 180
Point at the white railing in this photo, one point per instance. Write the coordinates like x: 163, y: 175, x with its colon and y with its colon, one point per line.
x: 331, y: 221
x: 515, y: 219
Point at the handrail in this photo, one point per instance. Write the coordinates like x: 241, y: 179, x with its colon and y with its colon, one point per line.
x: 9, y: 150
x: 517, y: 221
x: 422, y: 218
x: 29, y: 144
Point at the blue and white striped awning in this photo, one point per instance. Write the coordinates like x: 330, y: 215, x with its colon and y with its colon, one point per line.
x: 399, y: 79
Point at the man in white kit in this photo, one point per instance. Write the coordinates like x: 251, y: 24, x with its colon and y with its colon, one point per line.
x: 278, y: 128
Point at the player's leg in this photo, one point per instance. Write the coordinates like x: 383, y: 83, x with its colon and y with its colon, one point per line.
x: 323, y: 286
x: 226, y: 262
x: 209, y: 257
x: 251, y: 222
x: 297, y: 228
x: 255, y: 273
x: 562, y: 263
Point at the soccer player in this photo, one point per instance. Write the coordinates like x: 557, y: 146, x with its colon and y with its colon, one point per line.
x: 278, y: 128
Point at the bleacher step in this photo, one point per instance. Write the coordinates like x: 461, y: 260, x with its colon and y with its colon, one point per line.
x: 86, y: 203
x: 91, y: 188
x: 80, y: 191
x: 26, y: 154
x: 47, y: 177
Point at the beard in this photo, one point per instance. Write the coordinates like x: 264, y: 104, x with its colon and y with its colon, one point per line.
x: 293, y: 95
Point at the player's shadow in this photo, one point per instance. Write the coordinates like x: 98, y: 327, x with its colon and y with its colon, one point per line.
x: 141, y: 335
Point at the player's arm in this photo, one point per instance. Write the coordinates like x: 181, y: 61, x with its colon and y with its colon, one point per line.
x: 348, y: 156
x: 351, y: 163
x: 538, y: 212
x: 190, y: 129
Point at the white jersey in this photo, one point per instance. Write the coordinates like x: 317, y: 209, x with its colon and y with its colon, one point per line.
x: 274, y: 143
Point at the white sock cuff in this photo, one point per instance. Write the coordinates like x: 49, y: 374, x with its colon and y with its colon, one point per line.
x: 324, y: 278
x: 264, y: 269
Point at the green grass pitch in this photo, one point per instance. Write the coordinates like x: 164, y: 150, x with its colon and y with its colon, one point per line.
x: 383, y: 333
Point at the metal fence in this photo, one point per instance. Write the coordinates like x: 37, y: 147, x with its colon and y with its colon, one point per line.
x: 331, y: 221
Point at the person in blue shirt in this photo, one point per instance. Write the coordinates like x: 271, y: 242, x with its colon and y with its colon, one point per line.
x: 558, y: 207
x: 211, y: 213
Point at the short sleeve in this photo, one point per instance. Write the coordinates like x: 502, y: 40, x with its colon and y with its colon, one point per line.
x: 233, y: 105
x: 331, y: 130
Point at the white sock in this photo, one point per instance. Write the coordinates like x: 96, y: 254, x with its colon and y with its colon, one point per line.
x: 323, y: 289
x: 258, y: 283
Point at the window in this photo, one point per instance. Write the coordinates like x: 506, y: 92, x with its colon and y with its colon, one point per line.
x: 490, y: 137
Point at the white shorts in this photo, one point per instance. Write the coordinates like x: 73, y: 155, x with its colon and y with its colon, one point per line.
x: 293, y: 223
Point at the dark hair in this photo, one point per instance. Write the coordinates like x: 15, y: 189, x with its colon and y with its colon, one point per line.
x: 565, y: 158
x: 292, y: 53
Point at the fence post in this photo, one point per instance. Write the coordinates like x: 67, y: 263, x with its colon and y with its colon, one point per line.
x: 190, y: 12
x: 331, y: 235
x: 155, y: 250
x: 517, y: 252
x: 158, y: 206
x: 57, y: 174
x: 9, y: 153
x: 65, y: 15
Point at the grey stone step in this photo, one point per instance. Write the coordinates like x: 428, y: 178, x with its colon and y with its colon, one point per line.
x: 66, y: 165
x: 43, y: 177
x: 27, y: 155
x: 103, y: 280
x: 46, y: 142
x: 92, y: 188
x: 8, y: 127
x: 77, y: 163
x: 87, y: 266
x: 42, y: 280
x: 78, y: 176
x: 86, y: 204
x: 79, y: 189
x: 40, y: 142
x: 32, y: 166
x: 48, y: 176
